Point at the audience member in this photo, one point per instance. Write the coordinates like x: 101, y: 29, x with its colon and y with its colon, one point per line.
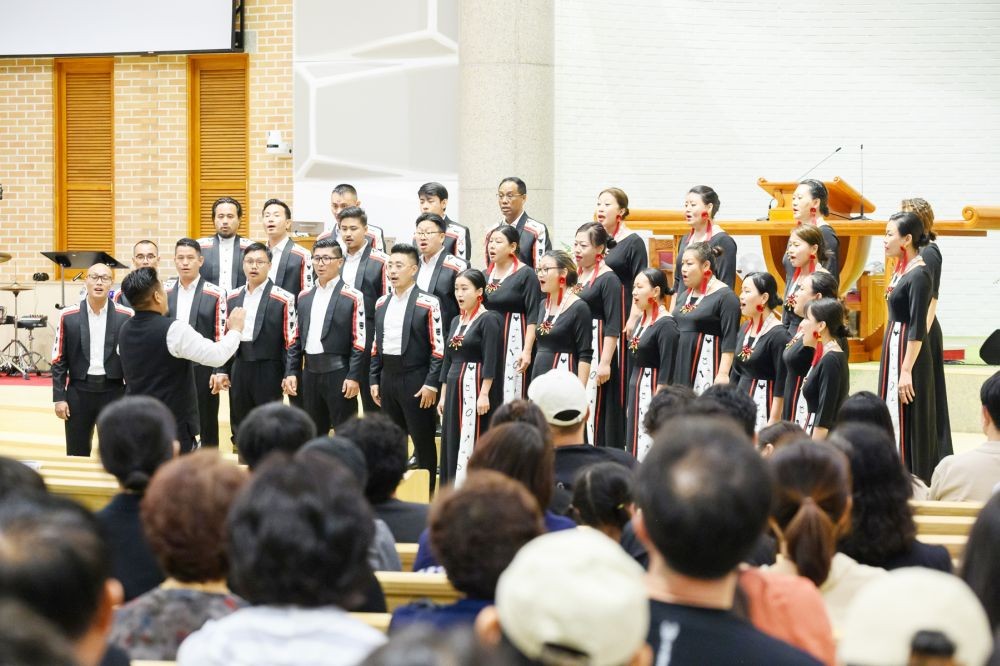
x: 915, y: 616
x: 298, y: 535
x: 980, y: 564
x: 424, y: 645
x: 475, y: 532
x: 670, y: 401
x: 775, y: 436
x: 184, y: 515
x: 703, y: 496
x: 383, y: 444
x: 974, y: 475
x: 570, y: 597
x: 273, y: 426
x: 738, y: 405
x: 882, y: 531
x: 521, y: 411
x: 811, y: 512
x: 602, y: 499
x: 17, y: 479
x: 136, y: 435
x: 28, y: 639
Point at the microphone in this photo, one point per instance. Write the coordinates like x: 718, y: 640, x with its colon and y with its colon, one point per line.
x: 819, y: 164
x: 861, y: 158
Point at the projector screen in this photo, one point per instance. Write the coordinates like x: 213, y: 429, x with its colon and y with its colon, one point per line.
x: 97, y: 27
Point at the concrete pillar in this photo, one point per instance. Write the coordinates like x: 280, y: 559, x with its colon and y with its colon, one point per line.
x: 506, y: 98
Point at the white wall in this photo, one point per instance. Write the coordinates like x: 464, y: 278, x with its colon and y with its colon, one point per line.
x: 656, y: 96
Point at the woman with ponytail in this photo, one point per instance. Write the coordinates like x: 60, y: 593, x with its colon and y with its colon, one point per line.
x: 810, y: 206
x: 811, y: 511
x: 797, y: 358
x: 708, y: 319
x: 652, y: 346
x: 602, y: 291
x: 828, y: 380
x: 806, y: 249
x: 701, y: 205
x: 758, y: 370
x: 563, y: 336
x: 906, y: 372
x: 629, y: 256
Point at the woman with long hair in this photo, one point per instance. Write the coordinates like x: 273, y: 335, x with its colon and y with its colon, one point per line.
x: 806, y: 248
x: 980, y: 564
x: 828, y: 381
x: 810, y: 206
x: 701, y: 205
x: 564, y: 335
x: 797, y: 357
x: 629, y: 256
x: 758, y: 370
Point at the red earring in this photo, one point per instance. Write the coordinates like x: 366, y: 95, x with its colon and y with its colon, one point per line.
x: 479, y: 299
x: 652, y: 300
x: 760, y: 308
x: 704, y: 215
x: 708, y: 273
x: 816, y: 335
x: 600, y: 257
x: 562, y: 281
x: 812, y: 210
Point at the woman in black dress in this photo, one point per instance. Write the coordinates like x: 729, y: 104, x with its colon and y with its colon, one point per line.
x: 932, y: 257
x: 629, y: 256
x: 758, y: 370
x: 563, y: 336
x: 700, y: 208
x: 603, y: 293
x: 653, y: 348
x: 512, y: 292
x: 708, y: 318
x: 829, y: 380
x: 797, y: 358
x: 471, y: 364
x: 806, y: 248
x: 810, y: 207
x: 906, y: 373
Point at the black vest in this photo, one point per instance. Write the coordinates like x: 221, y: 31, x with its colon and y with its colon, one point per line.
x: 150, y: 369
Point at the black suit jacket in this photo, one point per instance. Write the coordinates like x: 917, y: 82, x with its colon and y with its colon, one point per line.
x: 208, y: 309
x: 458, y: 240
x: 71, y: 346
x: 534, y: 240
x: 210, y: 251
x: 442, y: 285
x: 423, y: 341
x: 344, y: 329
x: 295, y: 273
x: 275, y: 325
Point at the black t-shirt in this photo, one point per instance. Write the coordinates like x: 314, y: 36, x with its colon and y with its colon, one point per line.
x: 571, y: 459
x: 698, y: 636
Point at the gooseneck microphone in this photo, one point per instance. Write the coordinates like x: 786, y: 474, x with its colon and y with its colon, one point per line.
x: 819, y: 164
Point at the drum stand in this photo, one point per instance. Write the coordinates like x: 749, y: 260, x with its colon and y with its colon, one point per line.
x: 13, y: 357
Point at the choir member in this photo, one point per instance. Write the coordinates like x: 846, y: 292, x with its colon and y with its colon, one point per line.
x: 145, y: 254
x: 629, y: 256
x: 438, y: 269
x: 471, y: 365
x: 708, y: 318
x: 810, y: 207
x: 652, y: 345
x: 291, y: 264
x: 563, y: 336
x: 223, y: 252
x: 806, y: 249
x: 433, y: 198
x: 534, y: 240
x: 701, y: 205
x: 758, y: 370
x: 797, y: 358
x: 828, y: 381
x: 513, y: 293
x: 345, y: 196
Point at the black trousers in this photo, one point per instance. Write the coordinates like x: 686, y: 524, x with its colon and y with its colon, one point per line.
x: 253, y: 383
x: 208, y: 406
x: 323, y: 398
x: 86, y: 400
x: 367, y: 403
x: 397, y: 389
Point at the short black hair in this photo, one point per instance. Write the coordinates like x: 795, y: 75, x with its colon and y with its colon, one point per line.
x: 345, y: 188
x: 989, y: 396
x: 135, y: 436
x: 354, y: 213
x: 28, y: 639
x: 227, y: 200
x: 521, y: 187
x: 140, y: 285
x: 54, y: 559
x: 273, y: 426
x: 670, y: 401
x: 384, y: 446
x: 432, y: 217
x: 328, y: 243
x: 258, y: 247
x: 18, y: 479
x: 433, y: 189
x: 299, y: 534
x: 408, y: 250
x: 270, y: 202
x: 705, y: 496
x: 866, y: 407
x: 188, y: 242
x: 344, y: 451
x: 738, y: 405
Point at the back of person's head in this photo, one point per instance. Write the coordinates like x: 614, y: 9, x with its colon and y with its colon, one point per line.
x: 383, y: 444
x: 866, y: 407
x: 344, y: 451
x: 425, y: 645
x: 704, y: 496
x: 476, y: 530
x: 273, y: 426
x: 519, y: 451
x: 980, y: 564
x: 140, y: 285
x: 28, y: 639
x: 17, y: 479
x: 989, y: 396
x: 812, y: 501
x: 299, y: 533
x: 881, y: 519
x: 739, y: 406
x: 184, y: 515
x: 773, y: 437
x: 521, y: 411
x: 670, y: 401
x: 602, y: 496
x: 135, y: 436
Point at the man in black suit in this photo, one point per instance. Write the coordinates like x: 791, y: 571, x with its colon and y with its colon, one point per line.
x: 254, y: 375
x: 291, y: 266
x: 331, y: 343
x: 86, y: 368
x: 194, y: 299
x: 407, y: 355
x: 145, y: 254
x: 438, y: 269
x: 342, y: 197
x: 223, y: 252
x: 433, y: 198
x: 535, y: 239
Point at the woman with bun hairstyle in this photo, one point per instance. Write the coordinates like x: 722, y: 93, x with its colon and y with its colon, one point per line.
x: 906, y: 372
x: 564, y: 334
x: 602, y: 291
x: 629, y: 255
x: 512, y: 292
x: 932, y: 257
x: 806, y: 249
x: 701, y: 205
x: 797, y: 357
x: 828, y: 381
x: 758, y: 370
x: 469, y: 390
x: 652, y: 346
x: 809, y: 208
x: 708, y: 319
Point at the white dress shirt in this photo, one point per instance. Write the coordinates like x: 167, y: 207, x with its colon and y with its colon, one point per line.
x: 352, y: 262
x: 251, y: 302
x: 185, y: 342
x: 226, y: 248
x: 392, y: 334
x: 98, y: 323
x: 427, y: 270
x: 276, y: 253
x: 317, y: 315
x: 185, y: 299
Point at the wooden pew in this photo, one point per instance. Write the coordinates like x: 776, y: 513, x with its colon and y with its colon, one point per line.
x: 404, y: 587
x: 945, y: 524
x: 407, y: 554
x: 935, y: 508
x: 414, y: 487
x: 378, y: 621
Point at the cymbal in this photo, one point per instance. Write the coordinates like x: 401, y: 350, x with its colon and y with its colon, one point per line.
x: 16, y: 287
x: 5, y: 257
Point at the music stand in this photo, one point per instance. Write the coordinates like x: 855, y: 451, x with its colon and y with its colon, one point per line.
x: 78, y: 259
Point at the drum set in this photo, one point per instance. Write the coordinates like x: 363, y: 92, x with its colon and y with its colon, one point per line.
x: 17, y: 358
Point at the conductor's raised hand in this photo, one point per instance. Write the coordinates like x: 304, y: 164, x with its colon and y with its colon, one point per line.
x: 235, y: 320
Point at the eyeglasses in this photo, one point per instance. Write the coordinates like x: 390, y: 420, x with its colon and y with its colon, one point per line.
x: 542, y: 270
x: 145, y: 257
x: 324, y: 259
x: 100, y: 279
x: 425, y: 234
x: 507, y: 197
x: 255, y: 262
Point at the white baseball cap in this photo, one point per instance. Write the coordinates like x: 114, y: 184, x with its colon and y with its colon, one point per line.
x: 561, y: 397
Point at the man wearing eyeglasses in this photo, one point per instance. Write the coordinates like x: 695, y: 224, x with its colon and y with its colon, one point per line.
x: 145, y: 254
x: 325, y: 361
x: 535, y: 241
x: 438, y: 269
x: 223, y: 252
x: 254, y: 376
x: 86, y: 369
